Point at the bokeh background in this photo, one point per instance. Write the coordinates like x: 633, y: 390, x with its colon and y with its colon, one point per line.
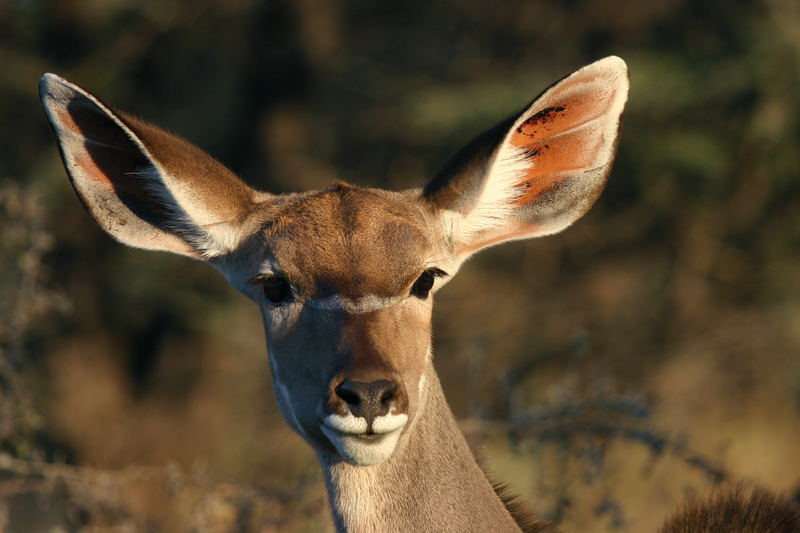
x: 650, y: 349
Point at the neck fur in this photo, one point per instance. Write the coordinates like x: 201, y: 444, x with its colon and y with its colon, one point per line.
x: 431, y: 483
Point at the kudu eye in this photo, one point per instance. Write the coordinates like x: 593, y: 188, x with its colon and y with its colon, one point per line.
x: 276, y: 289
x: 424, y: 284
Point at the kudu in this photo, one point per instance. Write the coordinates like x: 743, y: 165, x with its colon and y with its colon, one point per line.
x: 345, y: 277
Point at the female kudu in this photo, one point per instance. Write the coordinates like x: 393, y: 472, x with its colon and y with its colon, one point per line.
x: 345, y: 277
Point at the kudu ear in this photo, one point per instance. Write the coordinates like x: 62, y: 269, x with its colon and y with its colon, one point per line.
x: 538, y: 171
x: 144, y: 186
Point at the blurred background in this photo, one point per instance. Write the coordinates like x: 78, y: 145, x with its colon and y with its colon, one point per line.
x: 650, y: 349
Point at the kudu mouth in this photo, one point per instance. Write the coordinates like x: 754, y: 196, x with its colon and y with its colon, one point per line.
x: 355, y: 444
x: 366, y: 421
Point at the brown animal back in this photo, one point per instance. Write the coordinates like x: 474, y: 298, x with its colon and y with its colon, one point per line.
x: 737, y: 509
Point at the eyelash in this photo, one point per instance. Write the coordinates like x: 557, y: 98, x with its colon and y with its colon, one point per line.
x: 276, y: 289
x: 424, y: 283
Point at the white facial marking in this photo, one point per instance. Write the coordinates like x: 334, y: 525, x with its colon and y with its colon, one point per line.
x: 389, y: 422
x: 365, y: 304
x: 358, y: 451
x: 286, y: 403
x: 357, y: 425
x: 283, y: 318
x: 348, y: 434
x: 348, y: 423
x: 273, y: 363
x: 422, y: 397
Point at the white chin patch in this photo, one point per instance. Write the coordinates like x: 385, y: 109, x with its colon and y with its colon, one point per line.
x: 359, y: 451
x: 349, y: 437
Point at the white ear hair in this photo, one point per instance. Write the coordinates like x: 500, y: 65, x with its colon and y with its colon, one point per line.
x: 494, y: 205
x: 545, y: 167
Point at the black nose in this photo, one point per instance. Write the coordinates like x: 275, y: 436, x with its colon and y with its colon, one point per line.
x: 368, y: 399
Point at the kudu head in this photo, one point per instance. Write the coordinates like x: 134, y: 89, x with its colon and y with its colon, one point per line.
x: 345, y: 276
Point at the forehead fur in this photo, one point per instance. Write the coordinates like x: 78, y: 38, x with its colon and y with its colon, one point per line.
x: 350, y: 241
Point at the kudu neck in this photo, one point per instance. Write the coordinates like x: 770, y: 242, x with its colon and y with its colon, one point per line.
x: 431, y: 483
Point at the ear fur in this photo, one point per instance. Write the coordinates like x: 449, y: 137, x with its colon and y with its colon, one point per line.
x: 147, y: 188
x: 540, y: 170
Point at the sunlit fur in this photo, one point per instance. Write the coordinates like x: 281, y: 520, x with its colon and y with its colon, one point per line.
x: 350, y: 257
x: 736, y: 509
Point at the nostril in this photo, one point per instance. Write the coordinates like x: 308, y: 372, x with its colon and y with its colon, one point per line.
x: 348, y: 393
x: 367, y: 399
x: 388, y: 393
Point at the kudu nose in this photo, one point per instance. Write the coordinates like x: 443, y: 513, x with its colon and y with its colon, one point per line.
x: 368, y: 399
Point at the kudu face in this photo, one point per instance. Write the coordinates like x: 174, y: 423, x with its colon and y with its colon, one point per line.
x: 348, y: 314
x: 345, y: 277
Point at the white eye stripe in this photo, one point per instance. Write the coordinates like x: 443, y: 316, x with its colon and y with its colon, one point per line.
x: 365, y: 304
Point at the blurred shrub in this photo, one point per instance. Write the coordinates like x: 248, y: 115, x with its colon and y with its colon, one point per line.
x: 678, y: 293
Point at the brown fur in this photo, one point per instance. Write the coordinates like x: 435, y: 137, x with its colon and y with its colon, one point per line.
x: 348, y: 243
x: 526, y: 519
x: 222, y: 191
x: 345, y: 244
x: 736, y: 509
x: 356, y: 242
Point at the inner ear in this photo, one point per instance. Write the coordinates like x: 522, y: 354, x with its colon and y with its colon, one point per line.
x: 564, y: 134
x: 146, y: 187
x: 112, y: 160
x: 539, y: 171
